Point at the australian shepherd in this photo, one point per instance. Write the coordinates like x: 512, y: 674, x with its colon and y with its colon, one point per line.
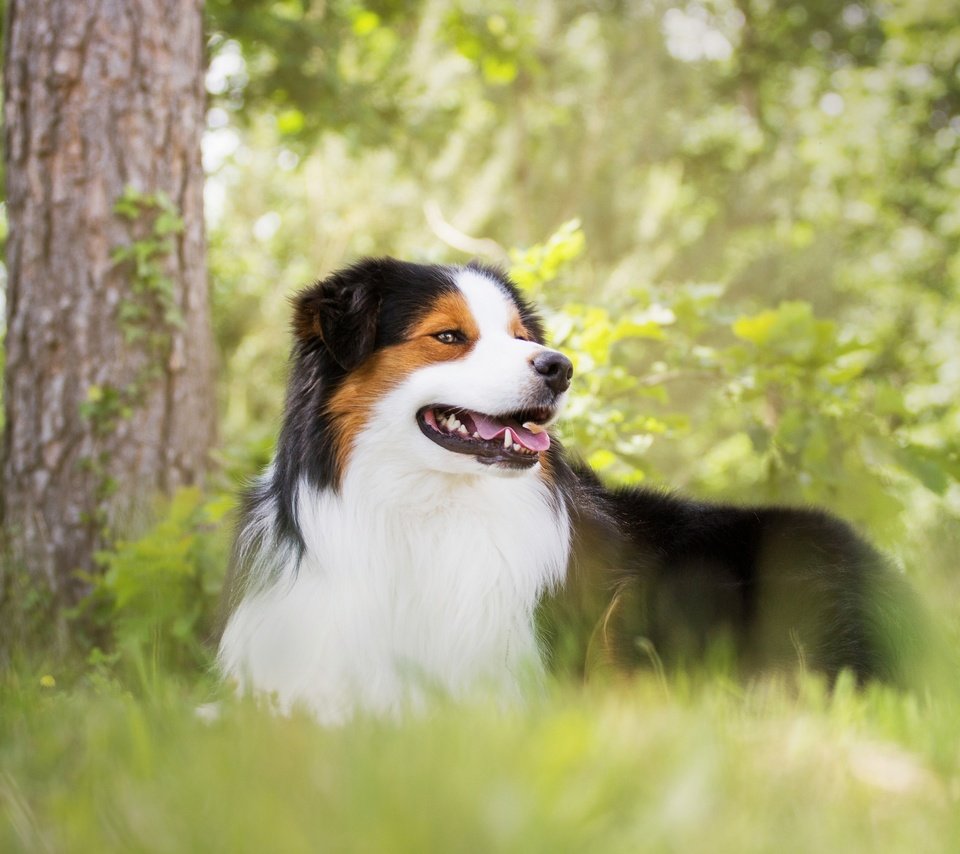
x: 418, y: 512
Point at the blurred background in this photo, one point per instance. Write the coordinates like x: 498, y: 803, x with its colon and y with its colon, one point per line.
x: 741, y: 219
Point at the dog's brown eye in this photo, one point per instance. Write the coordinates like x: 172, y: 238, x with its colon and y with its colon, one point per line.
x: 450, y: 336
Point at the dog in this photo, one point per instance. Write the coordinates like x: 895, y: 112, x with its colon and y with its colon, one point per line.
x: 420, y: 531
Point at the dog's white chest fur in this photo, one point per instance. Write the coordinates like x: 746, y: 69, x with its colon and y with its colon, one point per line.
x: 409, y: 584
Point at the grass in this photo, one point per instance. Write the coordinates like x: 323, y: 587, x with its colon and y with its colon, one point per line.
x: 644, y: 765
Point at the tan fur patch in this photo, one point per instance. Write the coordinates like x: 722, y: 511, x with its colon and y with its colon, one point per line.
x: 517, y: 329
x: 547, y: 474
x: 351, y: 405
x: 451, y: 312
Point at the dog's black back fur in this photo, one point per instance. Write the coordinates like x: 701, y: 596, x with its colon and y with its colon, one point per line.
x: 661, y: 580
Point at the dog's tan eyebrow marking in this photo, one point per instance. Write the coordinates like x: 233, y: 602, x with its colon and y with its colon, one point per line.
x: 450, y: 312
x: 350, y: 406
x: 517, y: 329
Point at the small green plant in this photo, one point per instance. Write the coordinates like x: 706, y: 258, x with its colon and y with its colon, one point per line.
x: 156, y: 595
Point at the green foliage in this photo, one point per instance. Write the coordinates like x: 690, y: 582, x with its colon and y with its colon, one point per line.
x: 810, y: 413
x: 155, y: 599
x: 105, y: 406
x: 151, y: 311
x: 541, y: 264
x: 313, y: 67
x: 147, y: 315
x: 824, y: 417
x: 500, y: 45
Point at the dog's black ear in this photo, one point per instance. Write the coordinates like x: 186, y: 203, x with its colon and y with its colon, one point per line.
x: 342, y: 312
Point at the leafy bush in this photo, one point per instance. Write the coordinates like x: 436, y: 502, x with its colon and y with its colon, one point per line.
x: 156, y: 599
x: 777, y: 405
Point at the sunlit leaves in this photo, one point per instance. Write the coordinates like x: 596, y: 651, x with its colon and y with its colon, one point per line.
x: 791, y: 331
x: 497, y: 38
x: 813, y: 417
x: 290, y: 122
x: 331, y: 66
x: 365, y: 22
x: 540, y: 264
x: 603, y: 422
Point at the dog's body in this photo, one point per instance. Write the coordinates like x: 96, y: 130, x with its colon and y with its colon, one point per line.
x: 417, y: 512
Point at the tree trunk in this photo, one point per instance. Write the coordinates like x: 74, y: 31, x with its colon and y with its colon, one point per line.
x: 109, y: 395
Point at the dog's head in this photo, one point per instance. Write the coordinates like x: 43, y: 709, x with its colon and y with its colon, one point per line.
x: 441, y: 367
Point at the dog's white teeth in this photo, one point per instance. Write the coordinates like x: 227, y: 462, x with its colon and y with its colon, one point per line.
x: 533, y: 427
x: 453, y: 423
x: 476, y: 435
x: 507, y: 439
x: 516, y: 447
x: 462, y: 430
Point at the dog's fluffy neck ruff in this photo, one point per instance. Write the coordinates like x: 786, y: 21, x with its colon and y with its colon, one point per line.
x: 424, y: 583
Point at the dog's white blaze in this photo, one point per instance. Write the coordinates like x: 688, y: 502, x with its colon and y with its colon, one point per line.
x: 489, y: 304
x: 422, y: 573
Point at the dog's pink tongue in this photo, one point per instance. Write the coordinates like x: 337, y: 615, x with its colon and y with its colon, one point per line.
x: 488, y: 428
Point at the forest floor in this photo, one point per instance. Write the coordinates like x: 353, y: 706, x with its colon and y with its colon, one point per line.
x: 646, y: 765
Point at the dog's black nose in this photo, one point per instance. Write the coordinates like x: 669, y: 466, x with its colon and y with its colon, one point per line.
x: 555, y: 368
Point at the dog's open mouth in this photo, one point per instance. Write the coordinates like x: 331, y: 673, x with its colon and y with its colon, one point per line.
x: 515, y: 439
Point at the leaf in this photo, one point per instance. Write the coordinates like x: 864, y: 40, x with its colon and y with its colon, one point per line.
x: 848, y: 366
x: 630, y: 328
x: 498, y: 71
x: 925, y: 465
x: 168, y: 222
x: 541, y: 263
x: 365, y: 22
x: 290, y: 122
x: 601, y: 459
x: 756, y: 329
x: 130, y: 202
x: 790, y: 333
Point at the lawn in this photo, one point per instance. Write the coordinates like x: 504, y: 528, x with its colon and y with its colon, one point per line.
x: 649, y: 764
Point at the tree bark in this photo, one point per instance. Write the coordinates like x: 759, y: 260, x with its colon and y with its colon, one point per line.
x: 101, y: 412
